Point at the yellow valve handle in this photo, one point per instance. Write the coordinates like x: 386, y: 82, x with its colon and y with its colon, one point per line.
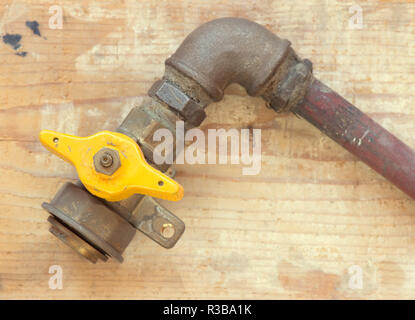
x: 134, y: 174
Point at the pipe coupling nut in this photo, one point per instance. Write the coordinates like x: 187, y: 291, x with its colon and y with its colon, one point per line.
x: 291, y: 90
x: 178, y: 101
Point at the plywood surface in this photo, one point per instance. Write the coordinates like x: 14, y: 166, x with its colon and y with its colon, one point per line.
x: 296, y: 230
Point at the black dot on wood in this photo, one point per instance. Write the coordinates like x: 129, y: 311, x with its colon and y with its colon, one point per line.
x: 34, y: 26
x: 12, y: 40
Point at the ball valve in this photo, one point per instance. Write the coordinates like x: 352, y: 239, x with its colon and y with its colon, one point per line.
x: 98, y: 216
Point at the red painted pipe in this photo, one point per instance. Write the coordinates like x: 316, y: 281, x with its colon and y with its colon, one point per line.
x: 359, y: 134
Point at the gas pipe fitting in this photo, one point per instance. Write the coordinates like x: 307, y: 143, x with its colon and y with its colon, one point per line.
x: 99, y: 215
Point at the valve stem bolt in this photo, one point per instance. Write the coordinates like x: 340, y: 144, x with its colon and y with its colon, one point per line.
x: 106, y: 160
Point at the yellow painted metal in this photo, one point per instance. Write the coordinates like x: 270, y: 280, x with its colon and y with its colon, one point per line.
x: 134, y: 176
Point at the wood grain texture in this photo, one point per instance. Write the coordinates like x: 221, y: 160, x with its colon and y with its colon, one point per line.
x: 293, y: 231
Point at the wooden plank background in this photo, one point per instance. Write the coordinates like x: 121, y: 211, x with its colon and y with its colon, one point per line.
x: 293, y: 231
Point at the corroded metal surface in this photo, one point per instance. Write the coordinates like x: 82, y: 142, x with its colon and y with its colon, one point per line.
x: 74, y: 241
x: 153, y: 220
x: 291, y: 90
x: 143, y: 121
x: 228, y: 50
x: 88, y: 217
x: 97, y: 230
x: 360, y: 135
x: 107, y: 161
x: 179, y: 101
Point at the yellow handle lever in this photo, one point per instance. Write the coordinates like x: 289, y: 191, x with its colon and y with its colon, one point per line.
x: 111, y: 165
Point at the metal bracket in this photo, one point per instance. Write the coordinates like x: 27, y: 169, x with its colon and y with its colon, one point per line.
x: 157, y: 223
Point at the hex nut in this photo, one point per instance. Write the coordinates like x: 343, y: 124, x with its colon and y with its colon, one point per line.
x: 179, y: 101
x: 107, y: 161
x: 293, y: 87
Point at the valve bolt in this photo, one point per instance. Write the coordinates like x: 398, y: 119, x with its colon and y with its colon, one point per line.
x: 106, y: 160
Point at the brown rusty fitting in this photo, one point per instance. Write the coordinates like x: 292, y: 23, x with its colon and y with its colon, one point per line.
x: 230, y: 50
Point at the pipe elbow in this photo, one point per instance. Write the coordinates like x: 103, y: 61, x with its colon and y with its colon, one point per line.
x: 230, y: 50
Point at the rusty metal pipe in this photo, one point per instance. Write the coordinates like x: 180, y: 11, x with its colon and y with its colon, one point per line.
x: 359, y: 134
